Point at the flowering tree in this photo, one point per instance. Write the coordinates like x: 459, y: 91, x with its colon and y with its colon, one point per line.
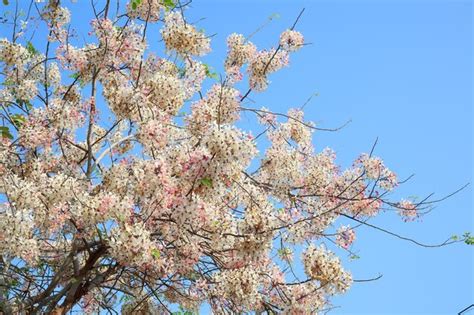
x: 124, y: 184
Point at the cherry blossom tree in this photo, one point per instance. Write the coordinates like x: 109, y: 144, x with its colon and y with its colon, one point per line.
x: 127, y: 186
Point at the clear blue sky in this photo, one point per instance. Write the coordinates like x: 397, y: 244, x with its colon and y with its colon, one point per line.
x: 402, y: 71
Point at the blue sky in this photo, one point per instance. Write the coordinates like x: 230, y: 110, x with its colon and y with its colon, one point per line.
x: 402, y: 72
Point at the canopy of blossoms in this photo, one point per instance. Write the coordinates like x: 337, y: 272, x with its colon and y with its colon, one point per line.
x: 113, y: 196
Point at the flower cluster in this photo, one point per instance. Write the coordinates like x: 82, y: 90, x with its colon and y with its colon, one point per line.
x: 345, y: 236
x: 291, y: 40
x: 131, y: 245
x: 26, y: 90
x: 231, y: 148
x: 407, y: 210
x: 321, y: 265
x: 195, y: 73
x: 165, y: 92
x: 375, y: 169
x: 35, y: 131
x: 239, y: 53
x: 155, y: 133
x: 57, y: 15
x: 241, y: 286
x: 306, y: 298
x: 182, y: 37
x: 12, y: 54
x: 262, y: 64
x: 16, y: 231
x: 147, y: 10
x: 220, y: 105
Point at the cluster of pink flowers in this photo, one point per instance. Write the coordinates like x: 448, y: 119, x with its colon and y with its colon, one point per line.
x: 407, y: 210
x: 291, y: 40
x: 146, y: 10
x: 165, y: 92
x: 345, y: 236
x: 16, y: 231
x: 195, y: 74
x: 132, y: 245
x: 239, y: 53
x: 35, y: 131
x: 26, y: 90
x: 375, y: 169
x: 241, y: 285
x: 267, y: 117
x: 220, y: 105
x: 182, y: 37
x: 321, y: 265
x: 13, y: 54
x: 262, y: 64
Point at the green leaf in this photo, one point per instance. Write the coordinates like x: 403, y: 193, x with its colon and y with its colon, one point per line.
x: 206, y: 68
x: 285, y: 253
x: 454, y: 237
x: 274, y: 16
x: 31, y: 49
x: 78, y: 78
x: 5, y: 132
x: 193, y: 275
x: 206, y: 182
x: 95, y: 172
x: 28, y: 105
x: 155, y: 253
x: 209, y: 72
x: 354, y: 257
x: 8, y: 83
x: 182, y: 311
x: 5, y: 2
x: 134, y: 5
x: 468, y: 238
x: 181, y: 71
x: 18, y: 120
x: 74, y: 75
x: 125, y: 298
x: 169, y: 4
